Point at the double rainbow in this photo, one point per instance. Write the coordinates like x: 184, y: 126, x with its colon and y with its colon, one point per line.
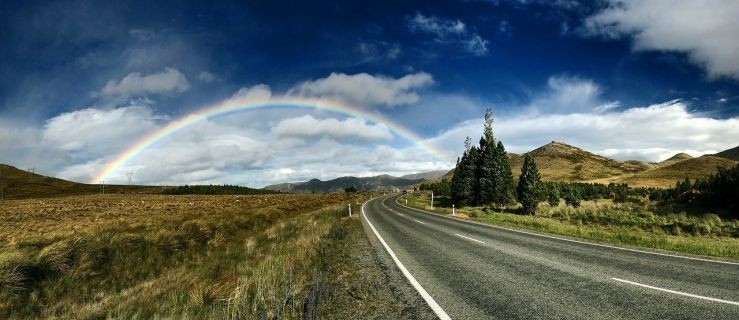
x: 243, y: 104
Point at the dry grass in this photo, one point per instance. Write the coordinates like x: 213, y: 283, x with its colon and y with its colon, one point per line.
x: 616, y: 223
x: 154, y: 256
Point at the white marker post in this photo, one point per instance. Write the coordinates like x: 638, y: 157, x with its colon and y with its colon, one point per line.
x: 406, y: 202
x: 432, y: 199
x: 453, y: 210
x: 350, y: 210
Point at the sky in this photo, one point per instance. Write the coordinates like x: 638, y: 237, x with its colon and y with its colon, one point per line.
x: 82, y: 82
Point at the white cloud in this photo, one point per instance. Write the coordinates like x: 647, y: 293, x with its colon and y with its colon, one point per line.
x: 449, y: 31
x: 256, y: 92
x: 135, y: 84
x: 366, y: 90
x: 476, y: 45
x: 351, y: 128
x: 708, y: 31
x: 569, y: 94
x: 99, y: 131
x: 443, y: 28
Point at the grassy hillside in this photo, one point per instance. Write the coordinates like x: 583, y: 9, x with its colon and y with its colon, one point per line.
x: 561, y: 162
x: 20, y: 184
x: 675, y: 159
x: 668, y: 175
x: 731, y: 154
x: 184, y: 257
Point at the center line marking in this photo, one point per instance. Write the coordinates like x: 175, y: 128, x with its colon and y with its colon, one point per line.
x: 421, y: 222
x: 677, y: 292
x: 468, y: 238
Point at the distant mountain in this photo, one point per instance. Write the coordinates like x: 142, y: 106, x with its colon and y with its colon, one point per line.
x: 558, y: 161
x: 377, y: 183
x: 426, y: 175
x: 20, y: 184
x: 731, y: 154
x: 675, y: 159
x: 665, y: 176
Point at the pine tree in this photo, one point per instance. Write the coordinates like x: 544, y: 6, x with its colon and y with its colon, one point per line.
x: 486, y: 168
x: 463, y: 180
x: 503, y: 177
x: 469, y: 178
x: 572, y: 197
x: 456, y: 187
x: 553, y: 195
x: 529, y: 185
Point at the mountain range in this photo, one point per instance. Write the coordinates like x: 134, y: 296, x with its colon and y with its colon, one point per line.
x: 556, y: 161
x: 377, y: 183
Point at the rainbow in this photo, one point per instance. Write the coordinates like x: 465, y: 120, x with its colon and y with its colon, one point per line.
x: 242, y: 104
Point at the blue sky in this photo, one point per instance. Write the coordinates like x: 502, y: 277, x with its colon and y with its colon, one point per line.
x: 80, y: 81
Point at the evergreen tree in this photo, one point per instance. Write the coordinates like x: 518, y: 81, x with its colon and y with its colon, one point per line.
x: 503, y: 177
x: 469, y: 181
x: 553, y: 195
x: 486, y: 168
x: 529, y: 185
x: 572, y: 197
x: 463, y: 180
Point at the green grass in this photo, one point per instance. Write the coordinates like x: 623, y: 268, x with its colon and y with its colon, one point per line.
x: 629, y: 224
x: 202, y: 257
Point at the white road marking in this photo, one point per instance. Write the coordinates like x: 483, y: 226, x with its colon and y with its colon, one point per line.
x: 468, y: 238
x: 570, y: 240
x: 421, y: 222
x: 677, y: 292
x: 425, y: 295
x: 400, y: 214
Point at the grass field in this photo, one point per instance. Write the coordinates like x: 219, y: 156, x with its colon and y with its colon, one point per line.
x: 156, y: 256
x: 631, y: 224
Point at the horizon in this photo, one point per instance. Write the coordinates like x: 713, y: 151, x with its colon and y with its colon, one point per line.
x: 84, y: 84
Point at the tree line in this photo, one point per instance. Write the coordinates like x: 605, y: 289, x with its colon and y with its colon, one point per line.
x: 719, y: 191
x: 215, y: 190
x: 483, y: 175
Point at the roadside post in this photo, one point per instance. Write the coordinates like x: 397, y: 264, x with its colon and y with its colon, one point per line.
x: 350, y: 210
x: 453, y: 210
x: 432, y: 200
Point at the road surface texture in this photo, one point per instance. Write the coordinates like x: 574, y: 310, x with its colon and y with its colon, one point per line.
x: 464, y: 270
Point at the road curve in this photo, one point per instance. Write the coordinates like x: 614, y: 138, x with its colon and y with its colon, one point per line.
x: 474, y: 271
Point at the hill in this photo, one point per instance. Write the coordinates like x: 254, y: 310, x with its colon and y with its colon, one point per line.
x: 426, y: 175
x: 21, y: 184
x: 665, y: 176
x: 376, y: 183
x: 562, y: 162
x: 731, y: 154
x: 675, y: 159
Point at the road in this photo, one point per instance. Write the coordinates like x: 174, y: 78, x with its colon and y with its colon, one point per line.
x: 471, y: 271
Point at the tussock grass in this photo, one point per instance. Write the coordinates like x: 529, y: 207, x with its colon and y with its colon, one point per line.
x: 631, y: 224
x: 184, y: 257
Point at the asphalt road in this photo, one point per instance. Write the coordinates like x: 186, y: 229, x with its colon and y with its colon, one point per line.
x: 472, y: 271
